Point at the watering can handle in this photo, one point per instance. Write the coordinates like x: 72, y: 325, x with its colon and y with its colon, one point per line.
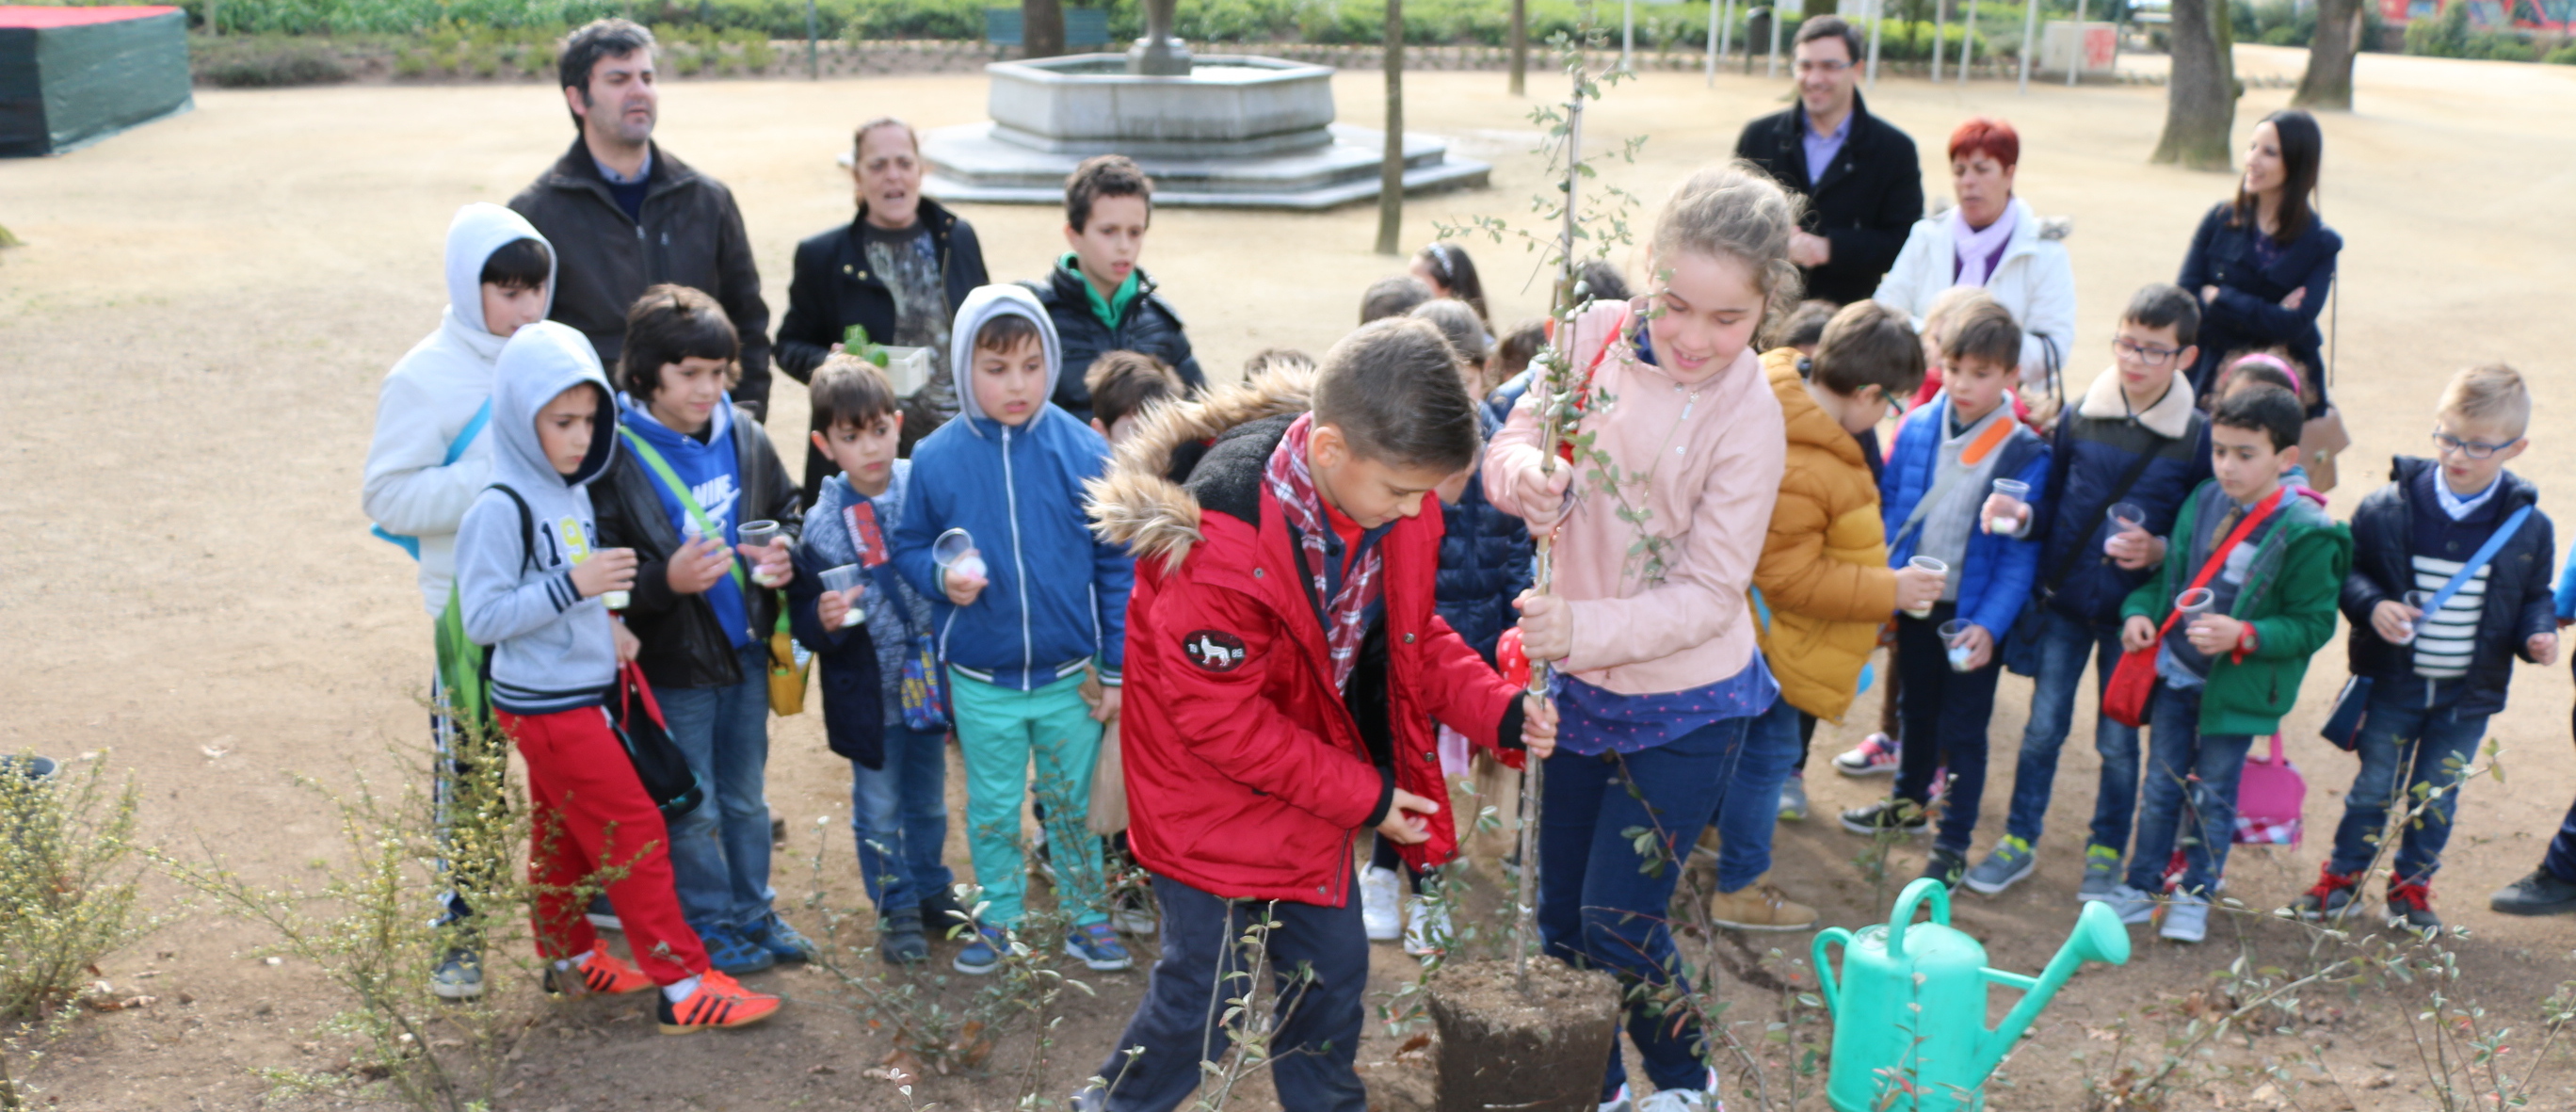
x: 1825, y: 979
x: 1923, y: 888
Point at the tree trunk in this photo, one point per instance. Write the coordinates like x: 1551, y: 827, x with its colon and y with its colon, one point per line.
x: 2328, y: 82
x: 1390, y: 188
x: 2200, y: 98
x: 1520, y: 48
x: 1041, y: 28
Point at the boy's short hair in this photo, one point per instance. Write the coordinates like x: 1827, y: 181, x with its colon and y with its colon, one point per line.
x: 1983, y: 330
x: 1393, y: 297
x: 2165, y: 305
x: 2494, y: 392
x: 2268, y: 366
x: 1123, y: 383
x: 1268, y: 360
x: 1006, y: 331
x: 581, y: 51
x: 1458, y: 324
x: 521, y: 264
x: 1105, y: 175
x: 2269, y: 410
x: 1392, y: 389
x: 1602, y: 281
x: 1518, y: 347
x: 671, y: 323
x: 848, y: 390
x: 1868, y: 343
x: 1804, y: 327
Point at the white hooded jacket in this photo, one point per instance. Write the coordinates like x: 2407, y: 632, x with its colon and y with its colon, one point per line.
x: 2034, y: 281
x: 411, y: 490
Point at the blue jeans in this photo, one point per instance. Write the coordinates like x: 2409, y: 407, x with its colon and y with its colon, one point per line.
x: 900, y: 815
x: 1748, y: 795
x: 1597, y: 908
x: 2190, y: 794
x: 2410, y: 716
x: 1945, y: 714
x: 2064, y: 645
x: 720, y: 851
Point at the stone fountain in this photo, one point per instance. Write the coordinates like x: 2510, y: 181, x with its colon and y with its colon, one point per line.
x: 1218, y: 130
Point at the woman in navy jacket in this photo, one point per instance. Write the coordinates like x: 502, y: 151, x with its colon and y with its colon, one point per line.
x: 2262, y: 263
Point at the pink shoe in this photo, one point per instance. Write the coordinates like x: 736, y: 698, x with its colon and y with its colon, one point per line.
x: 1875, y: 756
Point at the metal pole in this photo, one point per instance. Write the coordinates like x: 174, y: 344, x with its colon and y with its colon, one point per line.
x: 2075, y: 64
x: 2029, y: 34
x: 1877, y: 10
x: 1773, y: 71
x: 1940, y: 36
x: 1725, y: 30
x: 1712, y: 45
x: 1627, y: 34
x: 1968, y: 43
x: 813, y: 50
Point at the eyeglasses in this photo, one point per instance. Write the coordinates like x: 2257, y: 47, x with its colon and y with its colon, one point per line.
x: 2144, y: 353
x: 1826, y: 66
x: 2470, y: 448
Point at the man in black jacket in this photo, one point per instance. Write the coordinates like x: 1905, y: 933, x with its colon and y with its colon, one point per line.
x: 623, y: 214
x: 1859, y: 174
x: 1099, y: 299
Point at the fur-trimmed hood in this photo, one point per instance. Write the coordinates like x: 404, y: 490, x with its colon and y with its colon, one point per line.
x: 1140, y: 502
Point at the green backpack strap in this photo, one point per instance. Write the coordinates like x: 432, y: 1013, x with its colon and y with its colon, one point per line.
x: 662, y: 470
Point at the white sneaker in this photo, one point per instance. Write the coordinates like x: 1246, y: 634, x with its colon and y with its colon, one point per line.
x: 2186, y: 920
x: 1619, y: 1102
x: 2132, y: 906
x: 1381, y: 897
x: 1426, y: 928
x: 1681, y: 1100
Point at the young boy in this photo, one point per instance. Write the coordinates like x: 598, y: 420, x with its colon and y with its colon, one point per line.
x: 1018, y: 636
x: 1949, y: 454
x: 1123, y: 384
x: 427, y: 462
x: 898, y: 774
x: 692, y: 471
x: 2136, y: 437
x: 2435, y: 678
x: 1284, y: 584
x: 2226, y: 676
x: 1098, y: 298
x: 1393, y: 296
x: 1825, y: 585
x: 529, y: 576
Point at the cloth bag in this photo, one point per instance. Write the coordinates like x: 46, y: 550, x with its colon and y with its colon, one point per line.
x: 2269, y: 799
x: 2133, y: 683
x: 1108, y: 780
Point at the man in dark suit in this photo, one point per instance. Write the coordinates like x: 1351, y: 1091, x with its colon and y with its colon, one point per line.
x: 1862, y: 181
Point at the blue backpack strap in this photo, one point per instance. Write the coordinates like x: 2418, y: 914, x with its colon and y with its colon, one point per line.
x: 2486, y: 552
x: 455, y: 451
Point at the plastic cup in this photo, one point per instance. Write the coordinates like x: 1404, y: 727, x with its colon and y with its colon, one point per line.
x: 757, y: 534
x: 955, y: 552
x: 1936, y: 567
x: 1954, y: 634
x: 2124, y: 517
x: 2421, y: 602
x: 2012, y: 525
x: 2196, y: 601
x: 845, y: 579
x: 616, y: 600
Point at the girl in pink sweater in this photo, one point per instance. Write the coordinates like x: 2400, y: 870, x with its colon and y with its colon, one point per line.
x: 1660, y: 679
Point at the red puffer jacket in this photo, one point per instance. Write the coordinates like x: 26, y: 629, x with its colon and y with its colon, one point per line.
x: 1246, y: 774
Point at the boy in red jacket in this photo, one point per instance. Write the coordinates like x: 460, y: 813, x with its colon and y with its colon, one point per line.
x: 1284, y: 668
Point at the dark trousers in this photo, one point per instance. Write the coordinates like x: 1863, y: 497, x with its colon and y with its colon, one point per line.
x: 1312, y: 1052
x: 1945, y: 724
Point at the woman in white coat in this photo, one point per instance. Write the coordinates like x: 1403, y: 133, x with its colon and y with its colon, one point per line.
x: 1991, y: 239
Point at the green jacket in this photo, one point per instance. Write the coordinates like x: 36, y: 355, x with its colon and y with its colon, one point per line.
x: 2289, y: 597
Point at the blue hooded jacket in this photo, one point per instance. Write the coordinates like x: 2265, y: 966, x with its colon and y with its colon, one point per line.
x: 1484, y: 562
x: 1998, y: 571
x: 1056, y: 597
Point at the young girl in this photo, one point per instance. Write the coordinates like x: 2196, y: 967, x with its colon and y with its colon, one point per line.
x: 1660, y: 677
x: 2269, y: 367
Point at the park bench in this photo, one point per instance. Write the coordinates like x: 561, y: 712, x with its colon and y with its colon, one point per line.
x: 1082, y: 27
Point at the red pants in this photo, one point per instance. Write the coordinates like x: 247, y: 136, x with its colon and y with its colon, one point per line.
x: 587, y: 813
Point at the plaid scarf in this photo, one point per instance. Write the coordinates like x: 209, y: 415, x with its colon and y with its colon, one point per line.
x: 1345, y: 614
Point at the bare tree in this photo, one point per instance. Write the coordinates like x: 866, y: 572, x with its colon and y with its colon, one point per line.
x: 2328, y: 82
x: 1390, y: 184
x: 1041, y: 28
x: 2200, y: 98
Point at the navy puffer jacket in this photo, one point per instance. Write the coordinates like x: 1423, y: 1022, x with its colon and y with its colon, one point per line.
x: 1484, y: 563
x: 2097, y: 443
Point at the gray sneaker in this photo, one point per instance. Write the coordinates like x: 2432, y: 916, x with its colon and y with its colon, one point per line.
x: 2101, y: 874
x: 2012, y: 860
x: 1793, y: 799
x: 459, y: 975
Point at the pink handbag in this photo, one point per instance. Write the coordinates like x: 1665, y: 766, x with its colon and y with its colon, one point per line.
x: 2268, y: 800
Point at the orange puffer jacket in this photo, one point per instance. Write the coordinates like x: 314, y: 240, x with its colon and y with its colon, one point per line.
x: 1823, y: 576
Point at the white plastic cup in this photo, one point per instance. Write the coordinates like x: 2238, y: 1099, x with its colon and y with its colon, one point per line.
x: 2124, y: 517
x: 2196, y: 601
x: 2015, y: 525
x: 616, y: 600
x: 2421, y: 602
x: 1954, y: 635
x: 1936, y: 567
x: 845, y: 579
x: 758, y: 534
x: 955, y: 552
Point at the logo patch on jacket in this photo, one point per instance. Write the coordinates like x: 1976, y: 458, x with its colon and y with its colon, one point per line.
x: 1213, y: 651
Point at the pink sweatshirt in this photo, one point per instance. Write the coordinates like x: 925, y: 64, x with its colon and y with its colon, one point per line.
x: 1710, y: 455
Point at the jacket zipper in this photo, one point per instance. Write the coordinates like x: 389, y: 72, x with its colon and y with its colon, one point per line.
x: 1019, y: 567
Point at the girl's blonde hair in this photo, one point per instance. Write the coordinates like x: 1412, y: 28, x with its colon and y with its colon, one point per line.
x: 1735, y: 210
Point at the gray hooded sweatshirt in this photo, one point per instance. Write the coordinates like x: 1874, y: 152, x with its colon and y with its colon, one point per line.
x: 552, y: 650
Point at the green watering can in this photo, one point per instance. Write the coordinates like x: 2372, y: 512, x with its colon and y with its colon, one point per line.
x: 1910, y: 1004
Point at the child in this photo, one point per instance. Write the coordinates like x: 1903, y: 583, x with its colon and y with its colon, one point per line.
x: 2269, y: 368
x: 1018, y: 637
x: 1393, y: 297
x: 2135, y: 437
x: 1825, y: 584
x: 1097, y: 297
x: 1123, y: 385
x: 695, y: 469
x: 2226, y: 676
x: 529, y: 574
x: 1288, y: 666
x: 1507, y: 369
x: 1805, y: 328
x: 2435, y: 678
x: 1446, y: 268
x: 427, y: 463
x: 1661, y: 678
x: 1949, y: 455
x: 898, y: 774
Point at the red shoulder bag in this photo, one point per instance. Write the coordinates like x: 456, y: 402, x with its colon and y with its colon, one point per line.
x: 2133, y: 683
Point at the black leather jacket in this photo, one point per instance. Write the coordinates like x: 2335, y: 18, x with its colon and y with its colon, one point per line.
x: 684, y: 646
x: 1151, y: 327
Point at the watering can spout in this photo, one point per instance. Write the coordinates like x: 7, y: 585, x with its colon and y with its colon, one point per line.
x: 2098, y: 937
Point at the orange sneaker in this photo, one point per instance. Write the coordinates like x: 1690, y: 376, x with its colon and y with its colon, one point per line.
x: 598, y: 972
x: 720, y: 1002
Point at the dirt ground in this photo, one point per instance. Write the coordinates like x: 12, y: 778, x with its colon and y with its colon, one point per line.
x: 191, y: 340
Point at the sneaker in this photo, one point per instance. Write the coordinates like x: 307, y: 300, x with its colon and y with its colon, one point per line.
x: 1426, y: 928
x: 1875, y: 756
x: 1679, y: 1100
x: 1381, y: 891
x: 2012, y: 860
x: 2101, y: 874
x: 941, y: 914
x: 597, y: 972
x: 899, y: 939
x: 1089, y: 1098
x: 1042, y: 856
x: 982, y: 955
x: 2412, y: 904
x: 1886, y: 814
x: 1131, y: 913
x: 2328, y: 897
x: 1760, y: 907
x: 781, y: 940
x: 459, y: 975
x: 720, y: 1002
x: 1619, y: 1102
x: 2186, y: 920
x: 2131, y: 905
x: 2541, y: 893
x: 729, y: 951
x: 1948, y: 866
x: 1099, y: 948
x: 1793, y: 799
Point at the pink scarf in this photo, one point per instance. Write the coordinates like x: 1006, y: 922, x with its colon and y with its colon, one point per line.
x: 1346, y: 613
x: 1974, y: 249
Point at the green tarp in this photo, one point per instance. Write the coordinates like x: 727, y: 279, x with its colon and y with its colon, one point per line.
x: 72, y: 76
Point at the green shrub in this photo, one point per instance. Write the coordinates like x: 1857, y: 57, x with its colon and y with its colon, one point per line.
x: 268, y: 61
x: 67, y: 883
x: 2563, y: 56
x: 410, y: 63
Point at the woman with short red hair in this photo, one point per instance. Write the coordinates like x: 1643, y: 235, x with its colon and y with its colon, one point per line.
x: 1990, y: 239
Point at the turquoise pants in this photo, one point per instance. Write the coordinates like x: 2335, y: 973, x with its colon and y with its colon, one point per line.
x: 1000, y: 730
